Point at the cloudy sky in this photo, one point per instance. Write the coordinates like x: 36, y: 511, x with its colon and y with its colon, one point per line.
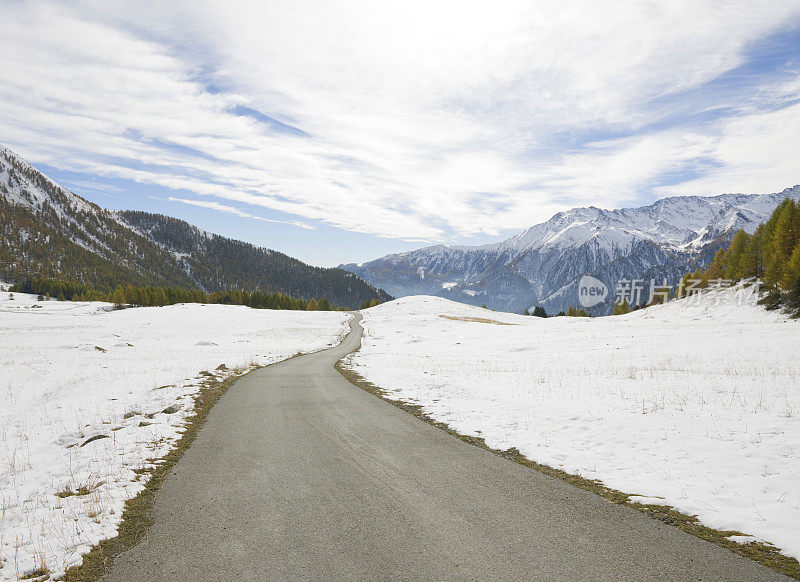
x: 340, y: 131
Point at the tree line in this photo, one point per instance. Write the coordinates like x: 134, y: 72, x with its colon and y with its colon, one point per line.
x: 771, y: 254
x: 149, y: 296
x: 540, y: 311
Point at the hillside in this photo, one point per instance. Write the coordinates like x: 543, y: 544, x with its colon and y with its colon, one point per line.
x: 47, y: 231
x: 543, y: 264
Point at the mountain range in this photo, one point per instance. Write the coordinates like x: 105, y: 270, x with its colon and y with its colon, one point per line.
x: 542, y: 265
x: 47, y: 231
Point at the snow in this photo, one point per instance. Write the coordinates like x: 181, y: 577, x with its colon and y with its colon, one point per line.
x: 449, y: 285
x: 16, y: 191
x: 669, y: 221
x: 693, y: 404
x: 71, y: 371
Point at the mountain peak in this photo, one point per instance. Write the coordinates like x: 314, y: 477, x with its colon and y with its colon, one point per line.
x: 663, y: 239
x: 49, y: 232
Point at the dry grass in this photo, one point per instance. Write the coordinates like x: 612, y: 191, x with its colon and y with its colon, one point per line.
x: 476, y: 320
x: 136, y: 516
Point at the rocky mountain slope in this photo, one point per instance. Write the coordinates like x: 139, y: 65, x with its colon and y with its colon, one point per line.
x: 542, y: 265
x: 47, y: 231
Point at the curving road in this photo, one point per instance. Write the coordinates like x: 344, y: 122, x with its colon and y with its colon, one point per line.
x: 299, y: 475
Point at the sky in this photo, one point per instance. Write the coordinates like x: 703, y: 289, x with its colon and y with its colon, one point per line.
x: 340, y: 131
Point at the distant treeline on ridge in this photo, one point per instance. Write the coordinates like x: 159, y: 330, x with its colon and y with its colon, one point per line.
x: 158, y: 296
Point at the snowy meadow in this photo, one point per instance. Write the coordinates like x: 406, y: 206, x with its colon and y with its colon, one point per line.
x: 694, y: 404
x: 90, y: 395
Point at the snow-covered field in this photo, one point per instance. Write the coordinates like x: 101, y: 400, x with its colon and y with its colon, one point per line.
x: 693, y: 403
x: 71, y: 371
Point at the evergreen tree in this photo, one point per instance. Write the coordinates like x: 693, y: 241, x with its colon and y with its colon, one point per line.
x: 793, y: 298
x: 786, y: 230
x: 159, y: 297
x: 752, y: 262
x: 571, y: 311
x: 719, y: 266
x: 774, y: 271
x: 118, y: 297
x: 312, y: 305
x: 791, y: 271
x: 736, y: 250
x: 539, y: 311
x: 621, y: 308
x: 683, y: 286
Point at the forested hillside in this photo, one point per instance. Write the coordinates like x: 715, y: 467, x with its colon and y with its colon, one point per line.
x: 216, y: 263
x: 48, y: 232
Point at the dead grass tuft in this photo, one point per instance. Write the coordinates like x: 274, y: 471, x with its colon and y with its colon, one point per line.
x: 476, y: 320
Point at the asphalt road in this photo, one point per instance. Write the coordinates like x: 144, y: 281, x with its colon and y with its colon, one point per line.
x: 299, y: 475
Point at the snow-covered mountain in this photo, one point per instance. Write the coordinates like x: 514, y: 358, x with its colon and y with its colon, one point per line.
x: 47, y: 231
x: 541, y: 266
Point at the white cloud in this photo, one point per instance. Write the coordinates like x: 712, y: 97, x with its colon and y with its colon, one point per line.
x: 426, y: 119
x: 213, y: 205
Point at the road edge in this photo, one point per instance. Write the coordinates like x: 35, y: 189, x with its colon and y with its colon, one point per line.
x: 765, y: 554
x: 136, y: 517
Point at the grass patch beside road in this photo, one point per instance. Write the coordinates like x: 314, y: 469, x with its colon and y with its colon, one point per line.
x: 136, y: 516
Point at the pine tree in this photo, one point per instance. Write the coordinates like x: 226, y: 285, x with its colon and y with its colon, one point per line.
x: 719, y: 266
x: 752, y: 261
x: 621, y: 308
x: 118, y: 297
x: 774, y: 271
x: 793, y: 298
x: 312, y: 305
x: 791, y: 271
x: 736, y: 251
x: 681, y: 291
x: 159, y: 297
x: 786, y: 230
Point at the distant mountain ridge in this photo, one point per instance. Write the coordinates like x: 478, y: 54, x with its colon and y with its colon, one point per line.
x: 542, y: 265
x: 47, y: 231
